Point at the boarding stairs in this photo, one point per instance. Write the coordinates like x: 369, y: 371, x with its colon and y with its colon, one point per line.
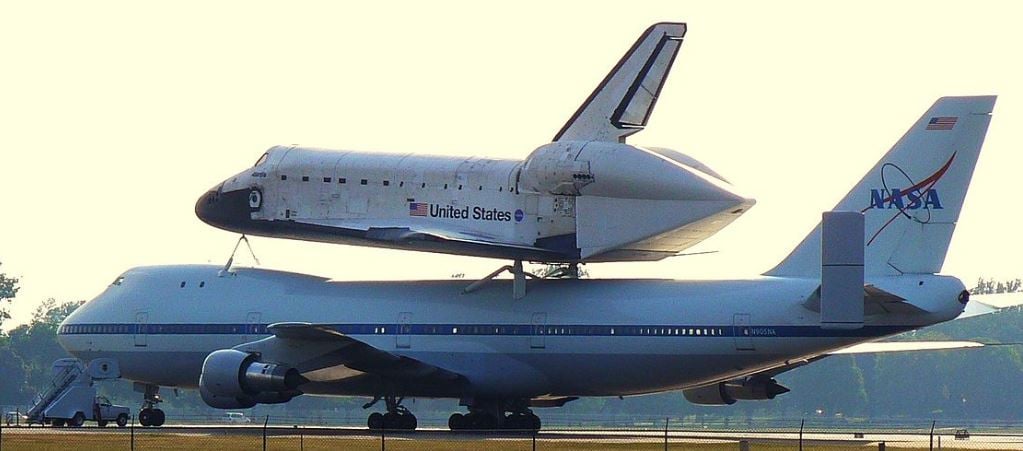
x: 66, y: 373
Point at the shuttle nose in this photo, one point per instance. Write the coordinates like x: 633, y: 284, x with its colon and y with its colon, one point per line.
x: 228, y: 210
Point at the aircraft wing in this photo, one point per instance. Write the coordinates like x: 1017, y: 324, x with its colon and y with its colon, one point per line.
x: 429, y: 237
x: 622, y: 103
x: 323, y: 354
x: 982, y: 304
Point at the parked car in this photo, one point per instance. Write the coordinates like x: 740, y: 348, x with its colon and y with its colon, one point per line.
x: 235, y: 418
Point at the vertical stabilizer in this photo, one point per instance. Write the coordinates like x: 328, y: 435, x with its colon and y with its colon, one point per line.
x: 912, y: 198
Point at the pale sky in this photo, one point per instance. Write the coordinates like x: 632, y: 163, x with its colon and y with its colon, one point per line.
x: 116, y: 116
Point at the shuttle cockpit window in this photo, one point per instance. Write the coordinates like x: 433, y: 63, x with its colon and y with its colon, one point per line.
x: 262, y: 159
x: 118, y: 280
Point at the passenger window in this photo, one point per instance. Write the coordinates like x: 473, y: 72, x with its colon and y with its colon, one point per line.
x: 326, y: 180
x: 284, y: 177
x: 305, y: 178
x: 363, y: 182
x: 342, y: 180
x: 387, y: 183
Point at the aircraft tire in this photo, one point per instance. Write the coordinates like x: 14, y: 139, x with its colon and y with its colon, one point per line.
x: 122, y: 420
x: 158, y: 417
x: 375, y: 421
x: 392, y: 421
x: 456, y: 422
x: 146, y: 417
x: 408, y: 422
x: 534, y: 422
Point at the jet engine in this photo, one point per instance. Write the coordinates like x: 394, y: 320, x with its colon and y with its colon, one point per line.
x: 234, y: 379
x: 726, y: 393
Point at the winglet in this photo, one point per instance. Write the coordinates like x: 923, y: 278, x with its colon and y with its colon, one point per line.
x: 622, y: 103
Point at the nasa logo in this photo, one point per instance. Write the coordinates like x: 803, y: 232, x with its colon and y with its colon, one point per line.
x: 519, y: 215
x: 905, y: 200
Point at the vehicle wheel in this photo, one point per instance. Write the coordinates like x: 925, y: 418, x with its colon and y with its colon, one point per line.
x: 456, y: 422
x: 146, y: 417
x: 535, y: 422
x: 57, y: 423
x: 375, y: 421
x: 77, y: 421
x: 122, y: 420
x: 101, y: 423
x: 158, y: 417
x: 514, y: 422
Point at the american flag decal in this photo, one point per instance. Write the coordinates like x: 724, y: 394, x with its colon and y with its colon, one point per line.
x: 418, y: 209
x: 942, y: 123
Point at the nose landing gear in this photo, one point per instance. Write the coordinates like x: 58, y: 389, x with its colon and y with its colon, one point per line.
x: 150, y: 416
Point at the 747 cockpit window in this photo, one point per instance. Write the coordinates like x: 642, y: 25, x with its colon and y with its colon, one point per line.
x: 262, y: 159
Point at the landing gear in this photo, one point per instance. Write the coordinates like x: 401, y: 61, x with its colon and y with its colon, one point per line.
x: 398, y: 417
x: 149, y: 416
x: 490, y: 415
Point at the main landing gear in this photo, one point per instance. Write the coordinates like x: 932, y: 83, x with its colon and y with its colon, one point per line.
x: 490, y: 415
x: 397, y: 417
x: 150, y: 416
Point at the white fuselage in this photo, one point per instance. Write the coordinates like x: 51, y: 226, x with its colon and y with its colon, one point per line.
x: 565, y: 338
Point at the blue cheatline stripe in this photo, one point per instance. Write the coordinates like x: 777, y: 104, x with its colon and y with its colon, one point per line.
x: 584, y: 330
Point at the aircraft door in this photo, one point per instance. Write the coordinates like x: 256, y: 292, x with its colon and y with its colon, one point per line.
x: 252, y: 325
x: 141, y: 319
x: 403, y: 340
x: 537, y: 340
x: 742, y: 332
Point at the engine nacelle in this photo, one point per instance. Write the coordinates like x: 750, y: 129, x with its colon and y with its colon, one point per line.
x: 234, y: 379
x: 726, y: 393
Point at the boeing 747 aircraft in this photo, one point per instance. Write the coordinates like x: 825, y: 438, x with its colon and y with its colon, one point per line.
x: 255, y: 336
x: 585, y: 197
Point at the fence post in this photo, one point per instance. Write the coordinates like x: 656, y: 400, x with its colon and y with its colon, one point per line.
x: 743, y: 445
x: 383, y: 446
x: 132, y: 433
x: 665, y: 433
x: 801, y: 423
x: 932, y: 434
x: 880, y: 446
x: 265, y: 422
x: 534, y: 439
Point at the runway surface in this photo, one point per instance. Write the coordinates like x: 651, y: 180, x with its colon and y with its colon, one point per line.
x: 985, y: 440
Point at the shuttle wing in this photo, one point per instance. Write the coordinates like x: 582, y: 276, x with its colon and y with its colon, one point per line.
x: 429, y: 237
x: 622, y: 103
x: 323, y: 354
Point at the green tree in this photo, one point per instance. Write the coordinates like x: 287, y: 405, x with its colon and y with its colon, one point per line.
x: 8, y: 289
x: 36, y: 342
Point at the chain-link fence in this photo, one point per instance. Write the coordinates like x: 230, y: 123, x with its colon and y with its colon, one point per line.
x: 670, y: 435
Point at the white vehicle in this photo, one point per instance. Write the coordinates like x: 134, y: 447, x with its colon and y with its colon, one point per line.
x: 585, y: 197
x: 235, y: 418
x: 257, y: 336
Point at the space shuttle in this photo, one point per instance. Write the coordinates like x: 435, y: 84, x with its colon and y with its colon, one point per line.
x: 587, y: 196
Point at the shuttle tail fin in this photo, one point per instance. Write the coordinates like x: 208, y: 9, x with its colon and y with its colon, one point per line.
x: 911, y: 199
x: 622, y: 103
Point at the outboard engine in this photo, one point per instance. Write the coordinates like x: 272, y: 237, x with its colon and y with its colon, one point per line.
x: 726, y: 393
x: 234, y: 379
